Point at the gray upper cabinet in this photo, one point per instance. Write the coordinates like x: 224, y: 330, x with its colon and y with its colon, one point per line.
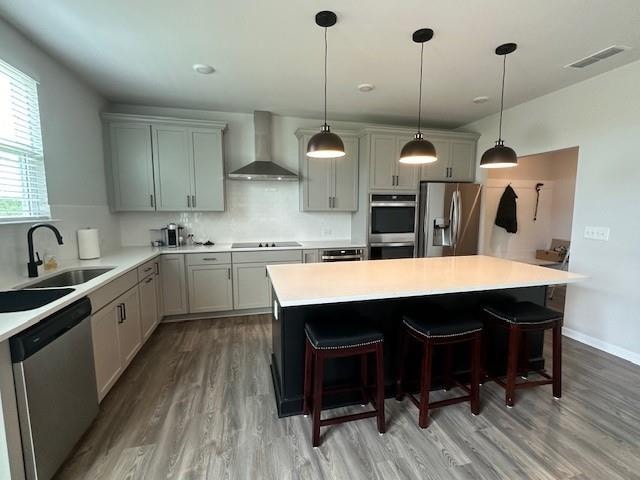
x: 131, y: 166
x: 385, y: 170
x: 172, y: 168
x: 456, y: 161
x: 329, y: 184
x: 165, y: 164
x: 208, y: 170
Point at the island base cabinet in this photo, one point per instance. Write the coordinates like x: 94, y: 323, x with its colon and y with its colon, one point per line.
x: 117, y: 336
x: 210, y: 288
x: 148, y: 305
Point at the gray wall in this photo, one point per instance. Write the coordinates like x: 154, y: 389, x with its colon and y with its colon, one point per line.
x: 602, y: 117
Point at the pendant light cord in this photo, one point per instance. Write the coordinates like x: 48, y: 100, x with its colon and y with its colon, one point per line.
x: 420, y: 89
x: 325, y: 76
x: 504, y: 69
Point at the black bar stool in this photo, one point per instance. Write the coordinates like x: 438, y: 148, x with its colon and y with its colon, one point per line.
x: 521, y: 318
x: 341, y: 338
x: 441, y: 329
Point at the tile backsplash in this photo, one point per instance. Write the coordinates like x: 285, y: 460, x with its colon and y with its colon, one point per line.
x: 256, y: 211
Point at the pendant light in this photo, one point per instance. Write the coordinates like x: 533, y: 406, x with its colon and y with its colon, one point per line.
x: 501, y: 156
x: 325, y: 144
x: 419, y: 151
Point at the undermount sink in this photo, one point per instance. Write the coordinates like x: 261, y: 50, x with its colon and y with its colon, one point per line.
x: 21, y: 300
x: 70, y: 277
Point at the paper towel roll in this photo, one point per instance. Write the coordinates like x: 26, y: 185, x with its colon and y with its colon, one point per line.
x: 88, y: 243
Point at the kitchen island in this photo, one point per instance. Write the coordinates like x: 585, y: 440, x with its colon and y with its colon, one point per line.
x: 380, y: 291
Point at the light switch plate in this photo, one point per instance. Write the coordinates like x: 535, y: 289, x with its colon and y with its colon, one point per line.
x: 597, y: 233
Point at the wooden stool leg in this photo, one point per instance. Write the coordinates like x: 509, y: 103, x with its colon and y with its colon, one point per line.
x: 523, y: 367
x: 425, y: 385
x: 402, y: 353
x: 512, y: 364
x: 476, y: 369
x: 448, y: 367
x: 317, y: 396
x: 364, y: 378
x: 380, y: 388
x: 483, y: 358
x: 557, y: 360
x: 308, y: 378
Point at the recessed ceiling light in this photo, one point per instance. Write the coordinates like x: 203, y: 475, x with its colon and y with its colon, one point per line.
x: 203, y: 68
x: 481, y: 99
x: 366, y: 87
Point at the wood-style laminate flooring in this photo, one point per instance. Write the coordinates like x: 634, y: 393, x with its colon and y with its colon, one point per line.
x: 197, y: 403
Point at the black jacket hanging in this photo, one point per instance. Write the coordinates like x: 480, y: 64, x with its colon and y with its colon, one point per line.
x: 506, y: 215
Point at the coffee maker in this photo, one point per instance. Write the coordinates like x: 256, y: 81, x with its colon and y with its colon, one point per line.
x: 172, y: 235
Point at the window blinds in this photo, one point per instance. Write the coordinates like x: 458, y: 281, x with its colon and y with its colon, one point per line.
x: 23, y: 188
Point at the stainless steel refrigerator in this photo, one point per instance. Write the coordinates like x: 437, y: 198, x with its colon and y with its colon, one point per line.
x: 449, y: 219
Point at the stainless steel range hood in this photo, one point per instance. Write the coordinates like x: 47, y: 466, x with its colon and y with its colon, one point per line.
x: 263, y: 168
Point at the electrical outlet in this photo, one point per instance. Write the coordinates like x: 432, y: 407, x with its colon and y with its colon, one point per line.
x: 597, y: 233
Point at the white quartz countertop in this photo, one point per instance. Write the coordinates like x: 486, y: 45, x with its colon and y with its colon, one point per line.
x: 323, y: 283
x: 121, y: 261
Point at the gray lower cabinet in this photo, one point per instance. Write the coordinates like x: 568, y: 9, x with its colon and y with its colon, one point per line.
x: 310, y: 256
x: 174, y: 292
x: 252, y: 286
x: 149, y: 316
x: 210, y: 288
x: 328, y: 184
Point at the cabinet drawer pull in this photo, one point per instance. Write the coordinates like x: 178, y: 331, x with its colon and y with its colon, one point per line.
x: 149, y: 280
x: 148, y: 269
x: 210, y: 259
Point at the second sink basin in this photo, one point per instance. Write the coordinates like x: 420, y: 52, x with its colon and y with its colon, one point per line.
x: 70, y: 277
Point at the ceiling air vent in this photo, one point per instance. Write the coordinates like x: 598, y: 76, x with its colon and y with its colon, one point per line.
x: 596, y: 57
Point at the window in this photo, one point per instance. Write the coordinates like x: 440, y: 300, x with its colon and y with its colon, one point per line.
x: 23, y: 188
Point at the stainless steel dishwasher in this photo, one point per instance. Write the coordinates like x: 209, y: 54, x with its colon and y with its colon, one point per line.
x: 55, y: 384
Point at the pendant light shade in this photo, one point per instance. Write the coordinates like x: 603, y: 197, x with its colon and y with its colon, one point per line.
x: 325, y: 144
x: 501, y: 156
x: 419, y: 151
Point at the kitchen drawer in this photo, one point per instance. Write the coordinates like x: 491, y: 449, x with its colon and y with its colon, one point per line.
x: 147, y: 269
x: 102, y: 296
x: 212, y: 258
x: 268, y: 256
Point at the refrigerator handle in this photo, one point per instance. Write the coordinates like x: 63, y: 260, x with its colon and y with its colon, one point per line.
x: 458, y: 215
x: 452, y: 219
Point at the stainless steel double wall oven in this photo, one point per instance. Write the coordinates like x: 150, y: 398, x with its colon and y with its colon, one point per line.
x: 393, y: 222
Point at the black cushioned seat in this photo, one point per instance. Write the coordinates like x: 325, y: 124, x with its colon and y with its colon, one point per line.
x: 442, y: 324
x: 522, y: 313
x: 342, y: 333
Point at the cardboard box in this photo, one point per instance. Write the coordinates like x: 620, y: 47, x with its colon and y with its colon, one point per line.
x: 556, y: 252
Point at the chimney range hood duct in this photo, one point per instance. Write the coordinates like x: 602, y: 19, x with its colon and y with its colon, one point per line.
x: 263, y: 168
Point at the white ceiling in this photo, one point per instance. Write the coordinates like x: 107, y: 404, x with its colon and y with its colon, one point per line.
x: 268, y: 54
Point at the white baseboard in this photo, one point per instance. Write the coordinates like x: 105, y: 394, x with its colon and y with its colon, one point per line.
x: 620, y: 352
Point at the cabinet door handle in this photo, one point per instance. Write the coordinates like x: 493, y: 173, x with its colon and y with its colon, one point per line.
x: 334, y: 202
x: 228, y: 274
x: 124, y: 311
x: 151, y: 200
x: 450, y: 172
x: 120, y: 314
x: 189, y: 201
x: 265, y: 272
x: 157, y: 268
x: 193, y: 201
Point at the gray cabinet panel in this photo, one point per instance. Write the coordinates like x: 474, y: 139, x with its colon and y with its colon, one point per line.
x: 318, y: 179
x: 210, y: 288
x: 131, y: 166
x: 382, y: 168
x: 208, y: 170
x: 463, y: 161
x: 174, y: 294
x: 251, y: 286
x: 172, y: 168
x: 310, y: 256
x: 148, y: 305
x: 345, y: 178
x: 438, y: 171
x: 129, y: 328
